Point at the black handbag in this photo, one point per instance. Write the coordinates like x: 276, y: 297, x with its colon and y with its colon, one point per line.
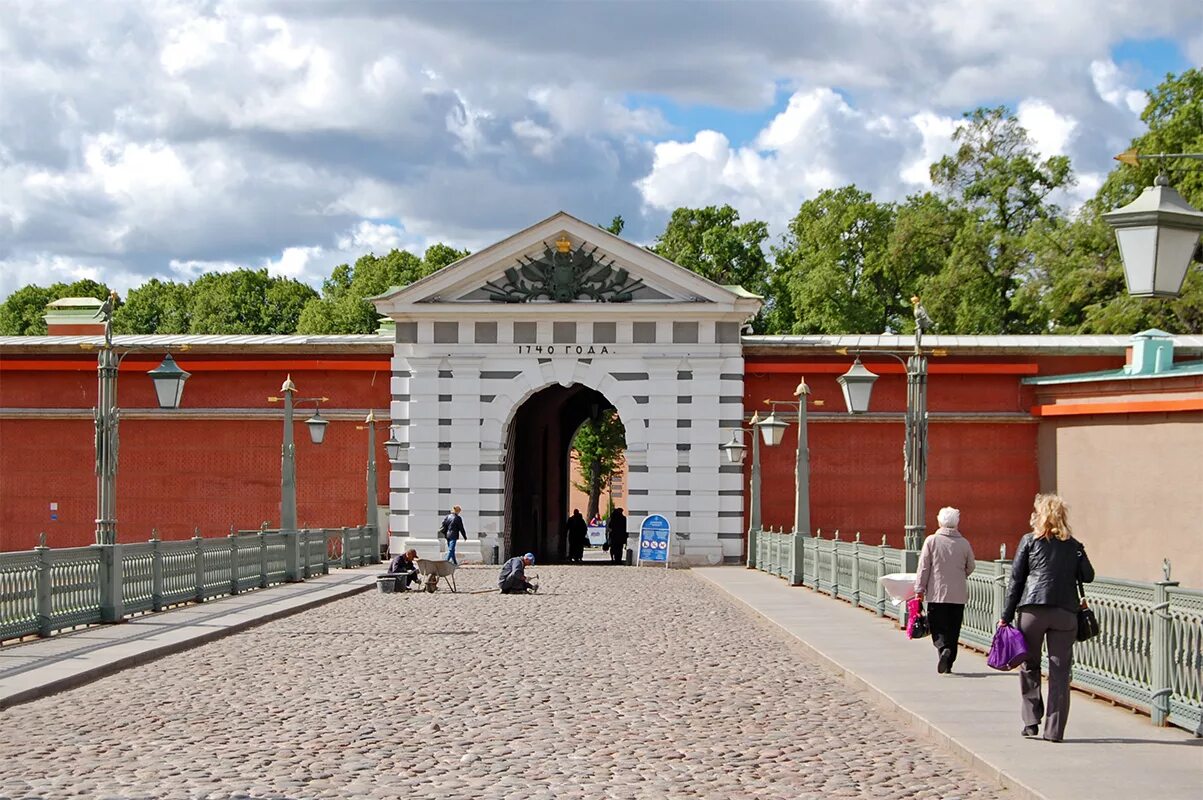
x: 1088, y: 623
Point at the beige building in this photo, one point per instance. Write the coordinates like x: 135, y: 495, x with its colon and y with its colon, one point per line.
x: 1125, y: 449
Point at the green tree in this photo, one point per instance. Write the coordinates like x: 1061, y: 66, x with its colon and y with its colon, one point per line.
x: 616, y: 225
x: 599, y: 445
x: 1082, y: 287
x: 834, y: 266
x: 997, y: 178
x: 246, y: 301
x: 713, y: 242
x: 344, y: 307
x: 920, y: 245
x: 21, y: 313
x: 155, y: 307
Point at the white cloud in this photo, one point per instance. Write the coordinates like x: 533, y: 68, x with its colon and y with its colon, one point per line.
x: 1050, y: 132
x: 176, y: 136
x: 1113, y: 86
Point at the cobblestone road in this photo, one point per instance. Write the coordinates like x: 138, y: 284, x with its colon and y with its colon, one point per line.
x: 614, y: 682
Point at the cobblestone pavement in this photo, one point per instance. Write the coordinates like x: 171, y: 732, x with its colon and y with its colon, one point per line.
x: 613, y: 682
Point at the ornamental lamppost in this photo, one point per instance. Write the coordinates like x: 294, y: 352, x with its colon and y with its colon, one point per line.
x: 370, y: 503
x: 169, y: 389
x: 288, y: 458
x: 736, y: 450
x: 774, y: 430
x: 857, y: 385
x: 1157, y: 233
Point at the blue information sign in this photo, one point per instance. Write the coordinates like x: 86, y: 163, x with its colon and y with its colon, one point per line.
x: 653, y: 539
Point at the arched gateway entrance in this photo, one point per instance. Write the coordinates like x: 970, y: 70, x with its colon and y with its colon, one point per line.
x: 501, y: 355
x: 537, y: 467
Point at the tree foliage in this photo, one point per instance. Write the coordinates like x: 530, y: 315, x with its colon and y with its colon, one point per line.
x: 22, y: 312
x: 712, y: 242
x: 344, y: 307
x: 156, y: 307
x: 246, y: 301
x: 598, y: 446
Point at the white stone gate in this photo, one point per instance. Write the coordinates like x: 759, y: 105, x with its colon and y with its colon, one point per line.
x: 666, y: 355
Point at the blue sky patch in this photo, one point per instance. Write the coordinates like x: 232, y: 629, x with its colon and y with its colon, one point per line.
x: 1152, y: 57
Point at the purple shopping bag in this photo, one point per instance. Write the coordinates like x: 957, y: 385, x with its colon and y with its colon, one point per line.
x: 1008, y: 650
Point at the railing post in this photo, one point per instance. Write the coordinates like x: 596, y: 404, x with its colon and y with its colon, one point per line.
x: 752, y: 548
x: 1162, y: 647
x: 346, y: 548
x: 199, y: 543
x: 233, y: 540
x: 373, y: 545
x: 45, y: 608
x: 363, y: 545
x: 835, y: 564
x: 306, y: 535
x: 262, y: 558
x: 879, y: 593
x: 798, y: 568
x: 854, y: 595
x: 325, y: 551
x: 156, y: 571
x: 292, y: 561
x: 112, y: 602
x: 1000, y: 583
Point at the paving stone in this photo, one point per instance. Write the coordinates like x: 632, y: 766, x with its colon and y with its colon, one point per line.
x: 613, y: 682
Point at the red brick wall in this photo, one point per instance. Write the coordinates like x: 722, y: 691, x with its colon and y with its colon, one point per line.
x: 986, y: 468
x: 177, y: 471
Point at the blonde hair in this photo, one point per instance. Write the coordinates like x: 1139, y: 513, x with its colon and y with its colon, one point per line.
x: 1050, y: 517
x: 456, y: 509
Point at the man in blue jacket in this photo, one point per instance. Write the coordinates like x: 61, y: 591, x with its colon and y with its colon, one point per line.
x: 453, y: 529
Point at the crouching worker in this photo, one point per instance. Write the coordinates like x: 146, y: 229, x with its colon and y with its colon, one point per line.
x: 512, y: 579
x: 404, y: 569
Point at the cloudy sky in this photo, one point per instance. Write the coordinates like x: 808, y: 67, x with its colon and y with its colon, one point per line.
x: 172, y: 138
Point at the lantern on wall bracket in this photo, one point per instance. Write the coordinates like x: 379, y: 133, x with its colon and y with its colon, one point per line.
x: 317, y: 426
x: 392, y: 447
x: 169, y: 382
x: 857, y: 386
x: 735, y: 449
x: 772, y: 429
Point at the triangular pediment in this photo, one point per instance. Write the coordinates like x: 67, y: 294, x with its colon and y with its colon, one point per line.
x: 563, y: 260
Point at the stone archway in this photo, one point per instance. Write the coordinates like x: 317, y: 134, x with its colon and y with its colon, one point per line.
x: 537, y: 460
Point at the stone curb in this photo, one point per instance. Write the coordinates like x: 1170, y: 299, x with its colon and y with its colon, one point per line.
x: 916, y: 722
x: 154, y: 653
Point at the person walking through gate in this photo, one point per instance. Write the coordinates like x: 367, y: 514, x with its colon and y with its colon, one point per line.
x: 453, y: 529
x: 945, y: 563
x: 1048, y: 565
x: 616, y: 535
x: 578, y: 535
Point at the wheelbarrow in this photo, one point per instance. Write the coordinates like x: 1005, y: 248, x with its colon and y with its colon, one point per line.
x: 431, y: 572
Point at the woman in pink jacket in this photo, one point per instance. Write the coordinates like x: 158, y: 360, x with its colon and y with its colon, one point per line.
x: 944, y: 564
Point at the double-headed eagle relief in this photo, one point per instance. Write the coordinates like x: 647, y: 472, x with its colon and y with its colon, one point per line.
x: 564, y: 275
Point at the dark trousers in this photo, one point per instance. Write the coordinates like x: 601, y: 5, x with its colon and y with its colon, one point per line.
x: 576, y: 551
x: 616, y: 551
x: 945, y: 621
x: 1058, y: 627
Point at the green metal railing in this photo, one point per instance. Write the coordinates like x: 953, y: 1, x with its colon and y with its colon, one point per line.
x: 46, y: 590
x: 1149, y: 655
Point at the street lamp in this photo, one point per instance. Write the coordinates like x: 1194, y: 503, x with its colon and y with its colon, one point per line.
x: 169, y: 388
x: 857, y: 386
x: 288, y: 457
x: 392, y: 447
x: 773, y: 430
x: 370, y: 503
x: 736, y: 450
x: 1157, y: 233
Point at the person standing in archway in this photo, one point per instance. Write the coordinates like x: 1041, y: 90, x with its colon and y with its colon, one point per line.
x: 453, y: 529
x: 578, y: 534
x: 616, y: 535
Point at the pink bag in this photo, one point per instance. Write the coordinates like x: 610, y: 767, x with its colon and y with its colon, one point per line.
x: 1008, y: 650
x: 916, y: 620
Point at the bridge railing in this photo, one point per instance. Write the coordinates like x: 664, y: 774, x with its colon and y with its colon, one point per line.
x: 1148, y: 656
x: 46, y: 590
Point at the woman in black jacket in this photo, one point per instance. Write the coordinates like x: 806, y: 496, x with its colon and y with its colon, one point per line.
x: 1044, y: 578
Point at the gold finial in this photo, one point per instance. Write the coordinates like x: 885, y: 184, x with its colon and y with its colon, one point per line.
x: 802, y: 388
x: 563, y: 244
x: 288, y: 386
x: 371, y: 416
x: 914, y: 299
